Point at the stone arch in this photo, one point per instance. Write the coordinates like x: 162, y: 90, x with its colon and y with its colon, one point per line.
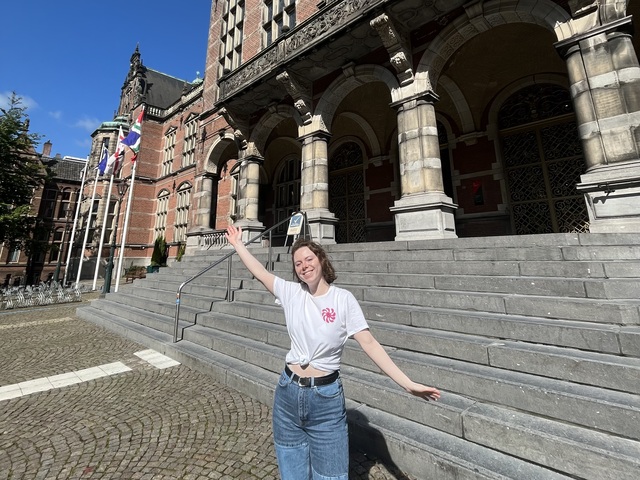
x: 216, y: 149
x: 372, y: 139
x: 494, y: 109
x: 350, y: 79
x: 478, y: 19
x: 260, y: 133
x: 460, y: 102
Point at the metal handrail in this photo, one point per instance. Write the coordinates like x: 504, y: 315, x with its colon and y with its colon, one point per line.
x: 229, y: 256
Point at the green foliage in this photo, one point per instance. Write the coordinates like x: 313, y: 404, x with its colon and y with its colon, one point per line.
x: 21, y: 172
x: 160, y: 252
x: 181, y: 248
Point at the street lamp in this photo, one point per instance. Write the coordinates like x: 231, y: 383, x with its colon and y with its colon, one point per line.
x: 67, y: 215
x: 122, y: 189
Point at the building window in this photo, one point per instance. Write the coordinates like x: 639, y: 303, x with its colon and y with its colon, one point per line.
x: 189, y: 147
x: 288, y: 191
x: 278, y: 16
x: 234, y: 176
x: 182, y: 213
x: 56, y: 246
x: 169, y: 148
x: 49, y: 199
x: 14, y: 254
x: 161, y: 213
x: 231, y: 36
x: 65, y: 203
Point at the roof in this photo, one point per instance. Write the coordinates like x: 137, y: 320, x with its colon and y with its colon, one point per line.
x: 163, y: 90
x: 67, y: 168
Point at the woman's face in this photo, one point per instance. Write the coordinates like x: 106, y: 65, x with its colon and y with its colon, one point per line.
x: 307, y: 266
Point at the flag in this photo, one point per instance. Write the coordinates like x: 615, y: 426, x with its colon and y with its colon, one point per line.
x: 115, y: 160
x: 132, y: 140
x: 103, y: 160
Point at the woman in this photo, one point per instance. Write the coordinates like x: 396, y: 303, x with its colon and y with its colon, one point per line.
x: 309, y: 415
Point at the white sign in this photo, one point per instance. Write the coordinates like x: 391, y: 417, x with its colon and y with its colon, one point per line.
x: 295, y: 224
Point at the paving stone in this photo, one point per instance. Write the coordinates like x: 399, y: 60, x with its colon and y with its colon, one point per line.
x: 132, y: 421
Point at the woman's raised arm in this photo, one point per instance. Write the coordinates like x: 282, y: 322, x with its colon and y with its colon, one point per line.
x: 234, y: 237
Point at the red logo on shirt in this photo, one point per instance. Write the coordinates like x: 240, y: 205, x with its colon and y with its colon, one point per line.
x: 328, y: 315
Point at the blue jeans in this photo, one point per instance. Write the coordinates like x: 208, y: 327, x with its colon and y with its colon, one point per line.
x: 310, y: 431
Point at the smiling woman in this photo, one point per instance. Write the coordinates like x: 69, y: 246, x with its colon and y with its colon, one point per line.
x: 309, y: 415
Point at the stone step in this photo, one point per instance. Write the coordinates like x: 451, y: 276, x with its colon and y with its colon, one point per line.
x: 427, y: 449
x: 529, y: 436
x: 617, y: 312
x: 590, y: 336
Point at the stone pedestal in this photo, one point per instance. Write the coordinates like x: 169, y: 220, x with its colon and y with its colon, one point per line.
x: 424, y: 216
x: 322, y: 224
x: 613, y: 198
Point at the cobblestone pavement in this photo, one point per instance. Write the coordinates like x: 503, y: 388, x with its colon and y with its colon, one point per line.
x: 141, y: 422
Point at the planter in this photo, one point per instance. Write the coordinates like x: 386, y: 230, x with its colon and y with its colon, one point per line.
x: 153, y: 268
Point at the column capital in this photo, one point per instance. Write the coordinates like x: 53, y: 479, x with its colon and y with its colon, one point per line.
x: 315, y: 135
x: 428, y: 96
x: 569, y: 44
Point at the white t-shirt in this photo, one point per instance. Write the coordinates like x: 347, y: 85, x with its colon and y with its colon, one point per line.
x: 318, y: 326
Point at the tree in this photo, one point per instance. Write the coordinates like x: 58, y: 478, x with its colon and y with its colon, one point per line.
x: 21, y: 172
x: 159, y: 255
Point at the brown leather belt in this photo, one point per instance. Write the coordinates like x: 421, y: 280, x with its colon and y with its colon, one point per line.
x: 311, y: 381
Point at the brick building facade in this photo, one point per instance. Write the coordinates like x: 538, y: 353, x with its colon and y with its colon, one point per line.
x: 54, y: 206
x: 391, y: 121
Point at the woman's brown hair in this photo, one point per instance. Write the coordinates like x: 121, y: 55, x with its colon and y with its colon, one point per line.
x: 328, y: 273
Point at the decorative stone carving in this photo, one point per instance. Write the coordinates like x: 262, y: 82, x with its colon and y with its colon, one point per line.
x: 299, y: 39
x: 239, y: 128
x: 300, y: 92
x: 396, y: 43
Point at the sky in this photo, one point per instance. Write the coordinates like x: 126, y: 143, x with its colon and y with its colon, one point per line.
x: 68, y: 59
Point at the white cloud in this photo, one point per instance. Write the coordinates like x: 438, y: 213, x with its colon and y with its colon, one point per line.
x: 56, y: 115
x: 27, y: 102
x: 88, y: 124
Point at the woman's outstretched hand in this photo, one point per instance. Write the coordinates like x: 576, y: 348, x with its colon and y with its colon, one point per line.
x: 233, y: 235
x: 422, y: 391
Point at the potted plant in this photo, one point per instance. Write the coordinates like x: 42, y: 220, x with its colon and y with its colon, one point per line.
x: 159, y: 255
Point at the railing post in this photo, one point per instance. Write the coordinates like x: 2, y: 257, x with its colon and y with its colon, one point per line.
x: 229, y: 279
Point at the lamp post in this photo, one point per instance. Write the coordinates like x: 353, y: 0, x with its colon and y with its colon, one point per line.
x: 67, y: 215
x: 122, y: 189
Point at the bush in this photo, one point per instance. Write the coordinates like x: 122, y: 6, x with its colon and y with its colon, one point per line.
x: 160, y: 252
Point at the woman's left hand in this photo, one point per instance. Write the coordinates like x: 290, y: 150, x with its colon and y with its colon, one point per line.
x: 423, y: 391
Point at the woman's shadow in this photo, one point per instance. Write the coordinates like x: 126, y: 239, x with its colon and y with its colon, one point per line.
x: 368, y: 449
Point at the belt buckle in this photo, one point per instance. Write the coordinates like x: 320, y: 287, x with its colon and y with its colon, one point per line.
x: 304, y: 381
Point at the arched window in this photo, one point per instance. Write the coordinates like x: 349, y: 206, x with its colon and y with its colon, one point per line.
x: 542, y: 160
x: 161, y: 213
x: 287, y: 190
x: 182, y: 212
x: 346, y: 193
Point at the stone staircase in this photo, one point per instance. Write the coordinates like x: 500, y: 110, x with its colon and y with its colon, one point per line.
x: 533, y: 340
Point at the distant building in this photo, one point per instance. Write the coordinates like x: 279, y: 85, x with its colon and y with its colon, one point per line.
x: 54, y: 206
x: 390, y: 121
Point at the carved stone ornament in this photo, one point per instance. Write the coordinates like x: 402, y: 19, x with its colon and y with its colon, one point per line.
x: 238, y: 127
x: 299, y: 39
x: 301, y: 95
x: 396, y: 44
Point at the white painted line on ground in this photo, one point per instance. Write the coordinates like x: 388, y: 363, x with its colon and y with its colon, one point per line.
x: 35, y: 322
x: 156, y: 359
x: 62, y: 380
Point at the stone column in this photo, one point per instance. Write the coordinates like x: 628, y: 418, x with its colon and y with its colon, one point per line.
x: 204, y: 205
x: 605, y: 85
x: 423, y: 211
x: 314, y: 187
x: 249, y: 195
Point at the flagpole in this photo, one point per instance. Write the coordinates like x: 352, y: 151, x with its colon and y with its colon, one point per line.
x: 123, y: 238
x: 104, y: 228
x: 75, y: 221
x: 86, y: 230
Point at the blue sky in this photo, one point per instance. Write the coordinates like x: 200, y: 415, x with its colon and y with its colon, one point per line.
x: 68, y: 59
